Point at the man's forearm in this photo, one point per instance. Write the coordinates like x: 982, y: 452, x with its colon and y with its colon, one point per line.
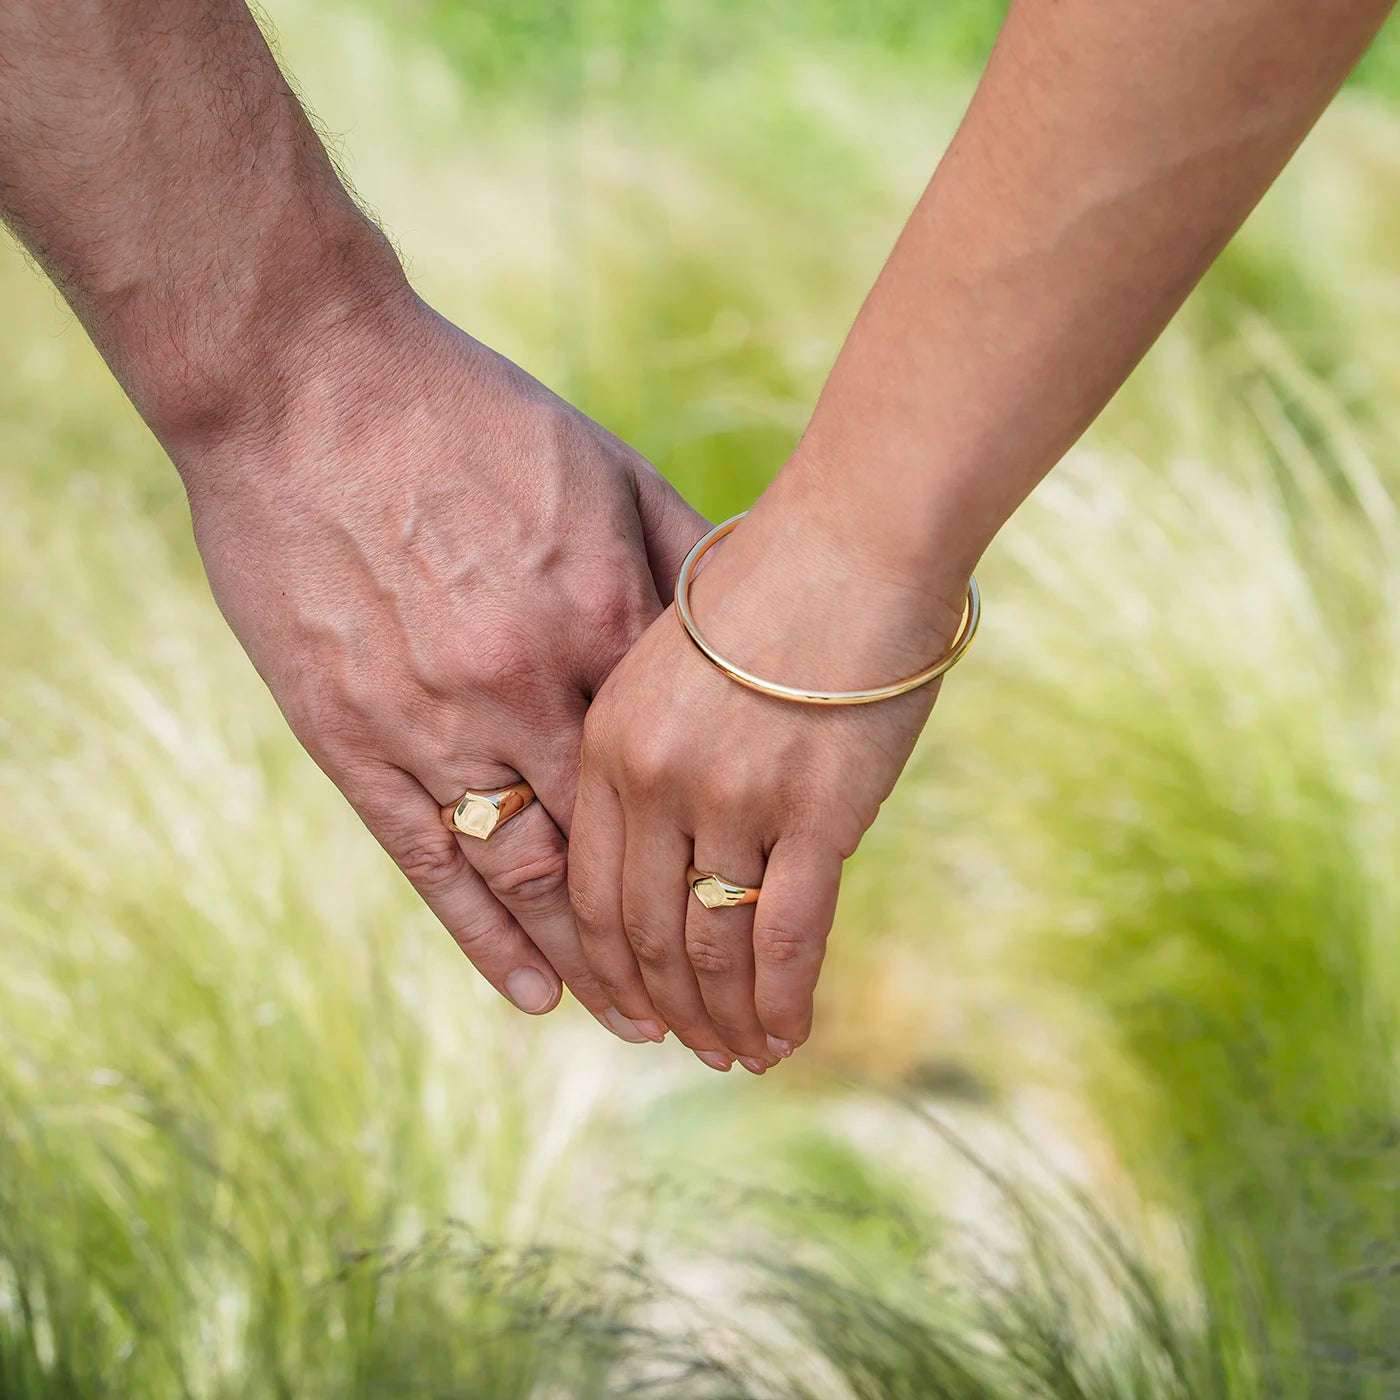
x: 155, y: 161
x: 1109, y: 154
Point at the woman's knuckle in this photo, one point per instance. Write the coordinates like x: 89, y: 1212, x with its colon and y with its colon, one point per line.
x: 734, y: 1032
x: 587, y: 901
x: 650, y: 945
x: 586, y: 986
x: 711, y: 955
x: 684, y: 1016
x: 784, y: 1016
x: 781, y: 945
x: 647, y: 765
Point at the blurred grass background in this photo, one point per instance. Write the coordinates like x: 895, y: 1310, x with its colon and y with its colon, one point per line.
x: 1102, y: 1098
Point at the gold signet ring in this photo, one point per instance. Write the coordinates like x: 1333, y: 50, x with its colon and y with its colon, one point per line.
x: 482, y: 814
x: 715, y: 892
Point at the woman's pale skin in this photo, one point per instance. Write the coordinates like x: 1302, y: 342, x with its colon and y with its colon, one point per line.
x: 1110, y: 152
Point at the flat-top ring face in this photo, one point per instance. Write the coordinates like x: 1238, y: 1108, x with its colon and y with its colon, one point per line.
x: 480, y: 814
x: 476, y: 816
x: 716, y: 893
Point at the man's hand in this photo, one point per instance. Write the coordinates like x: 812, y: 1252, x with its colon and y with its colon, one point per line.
x: 432, y: 560
x: 434, y: 563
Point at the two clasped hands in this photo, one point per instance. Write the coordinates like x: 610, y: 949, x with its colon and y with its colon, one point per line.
x: 452, y: 580
x: 463, y: 582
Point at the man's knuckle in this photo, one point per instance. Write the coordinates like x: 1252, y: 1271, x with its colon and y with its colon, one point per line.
x: 445, y: 670
x: 429, y: 863
x: 323, y: 717
x: 480, y: 938
x: 536, y: 879
x: 501, y: 659
x: 608, y: 612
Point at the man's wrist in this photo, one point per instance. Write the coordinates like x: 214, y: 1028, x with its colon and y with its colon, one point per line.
x: 217, y: 356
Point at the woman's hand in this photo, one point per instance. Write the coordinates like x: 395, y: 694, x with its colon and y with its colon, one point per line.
x: 683, y: 766
x: 434, y: 562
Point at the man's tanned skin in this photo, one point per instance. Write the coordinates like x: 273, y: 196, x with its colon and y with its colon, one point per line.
x: 432, y: 560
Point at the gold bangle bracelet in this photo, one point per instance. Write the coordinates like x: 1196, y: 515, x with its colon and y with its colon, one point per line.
x: 967, y: 629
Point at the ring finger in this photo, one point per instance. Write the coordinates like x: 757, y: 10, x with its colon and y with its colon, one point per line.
x: 719, y: 944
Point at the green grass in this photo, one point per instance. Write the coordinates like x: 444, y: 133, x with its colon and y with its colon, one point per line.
x: 1129, y: 921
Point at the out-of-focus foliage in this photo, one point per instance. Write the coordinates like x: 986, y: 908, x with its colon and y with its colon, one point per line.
x: 1129, y: 920
x: 515, y: 48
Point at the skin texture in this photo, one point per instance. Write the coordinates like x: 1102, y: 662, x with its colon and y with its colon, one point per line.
x: 436, y: 564
x: 432, y: 560
x: 755, y: 789
x: 1109, y: 153
x: 433, y: 596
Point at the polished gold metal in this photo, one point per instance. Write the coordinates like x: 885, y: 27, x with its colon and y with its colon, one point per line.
x: 482, y: 814
x: 967, y: 629
x: 715, y: 892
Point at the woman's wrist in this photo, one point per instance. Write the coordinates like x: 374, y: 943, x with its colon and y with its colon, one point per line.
x: 802, y: 594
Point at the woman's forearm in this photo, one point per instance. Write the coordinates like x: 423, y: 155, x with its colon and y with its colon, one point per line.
x: 1110, y: 152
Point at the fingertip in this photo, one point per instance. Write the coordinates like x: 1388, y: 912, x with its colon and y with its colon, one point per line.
x: 641, y: 1032
x: 533, y: 991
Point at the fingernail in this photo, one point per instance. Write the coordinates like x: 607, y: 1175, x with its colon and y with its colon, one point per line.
x: 715, y: 1060
x: 753, y: 1066
x: 623, y: 1028
x: 531, y: 990
x: 653, y: 1030
x: 781, y: 1048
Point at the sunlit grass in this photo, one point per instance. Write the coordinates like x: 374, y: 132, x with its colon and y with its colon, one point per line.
x: 1130, y: 919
